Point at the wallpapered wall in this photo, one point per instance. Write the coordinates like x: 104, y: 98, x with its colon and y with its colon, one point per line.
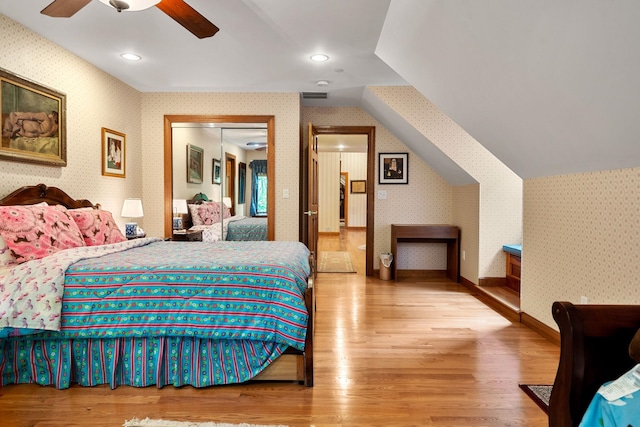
x: 581, y: 238
x: 500, y: 213
x: 426, y: 199
x: 94, y: 100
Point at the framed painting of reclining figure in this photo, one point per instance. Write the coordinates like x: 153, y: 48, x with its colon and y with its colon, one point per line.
x: 33, y: 122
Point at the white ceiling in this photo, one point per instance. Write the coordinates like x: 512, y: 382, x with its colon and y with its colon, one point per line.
x: 262, y: 45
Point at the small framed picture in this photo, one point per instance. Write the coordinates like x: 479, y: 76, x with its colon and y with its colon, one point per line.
x: 195, y: 166
x: 216, y: 171
x: 393, y: 168
x: 114, y: 150
x: 358, y: 186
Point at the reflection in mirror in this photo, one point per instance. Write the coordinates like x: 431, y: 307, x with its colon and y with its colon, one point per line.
x: 223, y: 145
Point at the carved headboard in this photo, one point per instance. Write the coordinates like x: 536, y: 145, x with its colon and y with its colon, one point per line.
x: 33, y: 194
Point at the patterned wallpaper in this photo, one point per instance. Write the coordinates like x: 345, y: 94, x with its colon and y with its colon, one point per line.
x: 500, y: 213
x: 426, y: 199
x: 466, y: 215
x: 94, y: 100
x: 581, y: 238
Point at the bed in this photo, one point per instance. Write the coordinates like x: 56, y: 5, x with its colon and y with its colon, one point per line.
x: 153, y: 312
x: 594, y: 349
x: 207, y: 217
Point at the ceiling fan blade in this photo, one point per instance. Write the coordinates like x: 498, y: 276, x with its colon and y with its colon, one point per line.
x: 64, y: 8
x: 188, y: 17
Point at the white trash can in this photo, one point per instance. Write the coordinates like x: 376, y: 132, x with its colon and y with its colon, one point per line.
x: 386, y: 258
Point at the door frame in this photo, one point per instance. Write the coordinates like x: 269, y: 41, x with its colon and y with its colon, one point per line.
x: 346, y: 196
x: 168, y: 162
x: 370, y: 132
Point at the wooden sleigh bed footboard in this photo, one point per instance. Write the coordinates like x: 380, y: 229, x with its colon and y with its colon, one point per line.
x: 594, y: 349
x: 292, y: 365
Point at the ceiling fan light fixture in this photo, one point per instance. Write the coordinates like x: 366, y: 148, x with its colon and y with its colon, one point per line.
x: 130, y: 5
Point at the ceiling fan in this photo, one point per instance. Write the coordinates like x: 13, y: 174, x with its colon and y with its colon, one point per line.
x: 180, y: 11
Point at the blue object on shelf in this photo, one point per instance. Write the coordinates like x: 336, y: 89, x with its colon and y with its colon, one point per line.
x: 513, y: 249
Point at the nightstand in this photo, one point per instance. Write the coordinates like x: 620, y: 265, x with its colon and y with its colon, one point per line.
x: 187, y: 236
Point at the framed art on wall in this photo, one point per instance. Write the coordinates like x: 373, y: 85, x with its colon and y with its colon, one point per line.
x: 358, y: 186
x: 33, y: 122
x: 393, y: 168
x: 195, y: 165
x: 216, y: 172
x: 113, y: 153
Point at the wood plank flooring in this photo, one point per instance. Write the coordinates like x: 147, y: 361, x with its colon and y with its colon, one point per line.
x: 413, y: 353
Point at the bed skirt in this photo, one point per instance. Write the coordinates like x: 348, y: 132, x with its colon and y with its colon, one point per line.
x: 137, y: 362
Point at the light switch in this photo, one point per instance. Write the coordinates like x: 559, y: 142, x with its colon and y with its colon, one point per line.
x: 382, y: 194
x: 285, y: 193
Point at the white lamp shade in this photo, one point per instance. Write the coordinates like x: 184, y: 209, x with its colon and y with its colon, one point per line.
x: 132, y: 208
x: 227, y: 201
x: 180, y: 206
x: 136, y: 5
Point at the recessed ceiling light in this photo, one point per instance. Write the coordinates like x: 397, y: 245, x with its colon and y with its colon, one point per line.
x: 131, y: 56
x: 319, y: 57
x: 322, y: 83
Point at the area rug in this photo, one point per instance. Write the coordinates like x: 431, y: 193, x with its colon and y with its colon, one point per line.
x: 335, y: 262
x: 541, y: 394
x: 166, y: 423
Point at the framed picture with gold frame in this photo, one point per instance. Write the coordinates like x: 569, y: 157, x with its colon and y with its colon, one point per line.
x: 195, y: 164
x: 358, y: 186
x: 33, y: 122
x: 114, y: 152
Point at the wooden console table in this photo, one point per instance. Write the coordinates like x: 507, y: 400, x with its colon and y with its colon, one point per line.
x: 431, y: 233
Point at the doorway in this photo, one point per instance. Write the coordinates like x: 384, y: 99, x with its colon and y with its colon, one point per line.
x: 344, y: 199
x: 368, y: 132
x: 230, y: 172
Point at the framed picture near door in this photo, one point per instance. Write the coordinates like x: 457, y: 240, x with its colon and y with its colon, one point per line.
x: 216, y: 172
x: 393, y: 168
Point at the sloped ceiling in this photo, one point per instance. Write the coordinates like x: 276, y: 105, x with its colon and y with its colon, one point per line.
x: 549, y: 87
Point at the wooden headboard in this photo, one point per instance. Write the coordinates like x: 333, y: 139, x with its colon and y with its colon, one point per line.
x: 33, y: 194
x: 594, y: 349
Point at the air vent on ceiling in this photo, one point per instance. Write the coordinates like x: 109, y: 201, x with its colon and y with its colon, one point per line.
x: 314, y: 95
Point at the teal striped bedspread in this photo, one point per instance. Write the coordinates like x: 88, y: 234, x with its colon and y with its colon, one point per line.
x: 194, y: 313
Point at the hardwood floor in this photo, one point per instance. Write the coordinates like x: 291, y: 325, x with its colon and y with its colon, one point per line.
x: 412, y: 353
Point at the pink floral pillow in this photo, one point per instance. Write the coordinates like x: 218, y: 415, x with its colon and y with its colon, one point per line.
x: 33, y: 232
x: 97, y: 227
x: 6, y: 256
x: 209, y: 212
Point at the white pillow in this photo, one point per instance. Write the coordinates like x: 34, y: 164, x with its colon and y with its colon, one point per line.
x: 6, y: 256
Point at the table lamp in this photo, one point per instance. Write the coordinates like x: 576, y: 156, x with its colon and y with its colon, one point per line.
x: 131, y: 208
x: 179, y: 208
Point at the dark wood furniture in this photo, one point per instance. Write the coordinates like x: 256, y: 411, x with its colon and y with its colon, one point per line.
x: 594, y: 349
x: 432, y: 233
x: 187, y: 236
x: 514, y: 266
x: 292, y: 365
